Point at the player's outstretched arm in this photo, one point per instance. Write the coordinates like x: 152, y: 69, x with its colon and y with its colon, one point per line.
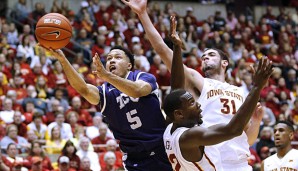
x: 133, y: 89
x: 197, y: 136
x: 194, y: 79
x: 88, y: 91
x: 177, y: 71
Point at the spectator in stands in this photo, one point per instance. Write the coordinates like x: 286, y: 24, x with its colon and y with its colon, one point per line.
x: 32, y: 98
x: 69, y: 150
x: 83, y: 40
x: 22, y: 127
x: 84, y: 152
x: 12, y: 157
x: 110, y: 159
x: 27, y: 32
x: 54, y: 109
x: 265, y: 139
x: 16, y: 95
x: 93, y: 131
x: 163, y: 76
x: 55, y: 144
x: 6, y: 115
x: 112, y: 147
x: 42, y: 89
x: 3, y: 83
x: 21, y: 11
x: 85, y: 164
x: 100, y: 46
x: 38, y: 127
x: 65, y: 129
x: 25, y: 49
x: 144, y: 64
x: 37, y: 164
x: 38, y: 12
x: 101, y: 139
x: 79, y: 133
x: 64, y: 164
x: 37, y: 152
x: 12, y: 137
x: 3, y: 166
x: 72, y: 118
x: 12, y: 36
x: 85, y: 118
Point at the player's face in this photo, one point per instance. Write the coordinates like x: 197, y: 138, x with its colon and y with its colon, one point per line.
x: 211, y: 62
x: 282, y: 135
x: 118, y: 63
x: 191, y: 110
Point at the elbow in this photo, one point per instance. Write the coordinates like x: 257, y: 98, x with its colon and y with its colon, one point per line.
x: 237, y: 132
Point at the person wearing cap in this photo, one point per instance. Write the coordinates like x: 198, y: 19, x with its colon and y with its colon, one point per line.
x: 64, y: 164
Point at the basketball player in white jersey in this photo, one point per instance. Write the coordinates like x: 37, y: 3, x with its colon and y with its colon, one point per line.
x: 286, y: 157
x: 184, y: 139
x: 219, y: 100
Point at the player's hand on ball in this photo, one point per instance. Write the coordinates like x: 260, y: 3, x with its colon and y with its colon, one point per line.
x: 100, y: 70
x: 55, y: 54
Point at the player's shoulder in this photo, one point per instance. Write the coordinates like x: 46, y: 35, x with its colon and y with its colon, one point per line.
x: 270, y: 159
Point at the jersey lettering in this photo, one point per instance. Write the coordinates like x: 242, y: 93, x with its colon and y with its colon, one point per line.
x: 228, y: 106
x: 174, y: 161
x: 168, y: 146
x: 123, y: 99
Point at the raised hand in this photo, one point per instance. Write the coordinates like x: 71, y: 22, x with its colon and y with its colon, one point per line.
x: 137, y: 6
x: 174, y: 36
x: 259, y: 112
x: 100, y: 69
x: 262, y: 73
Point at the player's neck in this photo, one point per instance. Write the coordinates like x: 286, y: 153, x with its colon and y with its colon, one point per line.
x: 281, y: 152
x: 217, y: 77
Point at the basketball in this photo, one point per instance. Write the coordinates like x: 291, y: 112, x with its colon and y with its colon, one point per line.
x: 53, y: 30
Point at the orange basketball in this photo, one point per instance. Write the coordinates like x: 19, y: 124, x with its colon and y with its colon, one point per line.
x: 53, y: 30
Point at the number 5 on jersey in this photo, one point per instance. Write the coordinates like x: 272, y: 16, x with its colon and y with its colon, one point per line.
x: 133, y: 119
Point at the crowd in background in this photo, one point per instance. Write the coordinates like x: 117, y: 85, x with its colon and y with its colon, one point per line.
x: 42, y: 115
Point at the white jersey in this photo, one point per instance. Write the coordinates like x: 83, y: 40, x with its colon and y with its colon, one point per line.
x: 171, y: 143
x: 288, y: 162
x: 219, y: 102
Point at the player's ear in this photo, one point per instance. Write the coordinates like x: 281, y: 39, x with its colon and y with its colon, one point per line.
x: 291, y: 136
x: 225, y: 63
x: 178, y: 114
x: 129, y: 67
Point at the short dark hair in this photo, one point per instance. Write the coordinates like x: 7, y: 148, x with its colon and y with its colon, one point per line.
x: 290, y: 126
x: 173, y: 102
x: 127, y: 53
x: 222, y: 54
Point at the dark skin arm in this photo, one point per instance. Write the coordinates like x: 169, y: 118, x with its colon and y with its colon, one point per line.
x: 198, y: 136
x: 177, y: 70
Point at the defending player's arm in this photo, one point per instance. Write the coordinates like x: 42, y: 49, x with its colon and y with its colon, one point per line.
x: 193, y: 78
x: 177, y: 71
x: 262, y: 166
x: 197, y: 136
x: 133, y: 89
x: 88, y: 91
x: 252, y: 130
